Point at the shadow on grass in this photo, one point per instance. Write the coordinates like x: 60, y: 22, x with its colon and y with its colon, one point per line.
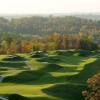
x: 44, y: 77
x: 38, y: 54
x: 16, y: 65
x: 82, y: 53
x: 73, y: 60
x: 88, y: 53
x: 51, y: 68
x: 3, y: 69
x: 34, y: 77
x: 52, y: 59
x: 24, y: 77
x: 41, y: 76
x: 66, y: 91
x: 42, y: 98
x: 68, y: 69
x: 72, y: 91
x: 19, y: 97
x: 14, y: 58
x: 88, y: 71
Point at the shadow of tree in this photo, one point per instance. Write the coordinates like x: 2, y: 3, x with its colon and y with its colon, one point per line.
x: 51, y: 67
x: 88, y: 71
x: 34, y: 77
x: 50, y: 59
x: 66, y: 91
x: 24, y: 77
x: 42, y: 98
x: 66, y: 52
x: 16, y: 65
x: 14, y: 58
x: 72, y: 91
x: 62, y: 59
x: 19, y: 97
x: 68, y: 69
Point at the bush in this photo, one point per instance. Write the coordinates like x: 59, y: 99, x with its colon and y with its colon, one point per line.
x: 93, y: 92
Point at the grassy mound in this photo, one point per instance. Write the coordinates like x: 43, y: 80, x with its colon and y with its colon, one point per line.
x: 84, y: 53
x: 66, y: 91
x: 46, y: 79
x: 65, y: 53
x: 88, y: 71
x: 51, y: 59
x: 51, y: 68
x: 24, y: 77
x: 38, y: 54
x: 14, y: 58
x: 16, y: 65
x: 31, y: 77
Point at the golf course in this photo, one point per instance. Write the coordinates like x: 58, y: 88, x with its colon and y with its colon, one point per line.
x: 52, y: 75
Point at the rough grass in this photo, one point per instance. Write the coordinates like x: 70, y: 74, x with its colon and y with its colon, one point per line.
x: 61, y: 75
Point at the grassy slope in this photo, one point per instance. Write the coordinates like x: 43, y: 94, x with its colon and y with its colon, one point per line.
x: 56, y: 77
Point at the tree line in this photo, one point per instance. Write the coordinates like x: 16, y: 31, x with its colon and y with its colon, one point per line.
x: 11, y: 45
x: 39, y: 25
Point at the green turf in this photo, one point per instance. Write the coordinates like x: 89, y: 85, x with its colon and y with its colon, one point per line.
x: 60, y: 75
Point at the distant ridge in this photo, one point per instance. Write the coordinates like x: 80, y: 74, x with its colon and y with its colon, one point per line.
x: 47, y: 24
x: 90, y: 16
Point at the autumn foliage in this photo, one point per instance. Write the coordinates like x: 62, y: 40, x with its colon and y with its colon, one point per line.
x: 55, y: 41
x: 93, y: 92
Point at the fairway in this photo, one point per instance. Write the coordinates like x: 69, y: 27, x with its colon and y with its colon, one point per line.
x: 56, y: 75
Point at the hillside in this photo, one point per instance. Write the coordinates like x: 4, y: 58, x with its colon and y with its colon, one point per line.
x: 95, y: 17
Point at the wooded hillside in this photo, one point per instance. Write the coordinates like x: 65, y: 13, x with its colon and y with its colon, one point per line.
x: 46, y: 25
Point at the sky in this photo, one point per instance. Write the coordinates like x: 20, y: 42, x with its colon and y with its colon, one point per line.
x: 49, y: 6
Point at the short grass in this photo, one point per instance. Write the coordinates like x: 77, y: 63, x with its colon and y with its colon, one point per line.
x: 61, y: 75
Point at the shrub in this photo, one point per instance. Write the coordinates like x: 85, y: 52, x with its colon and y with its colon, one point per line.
x: 93, y: 92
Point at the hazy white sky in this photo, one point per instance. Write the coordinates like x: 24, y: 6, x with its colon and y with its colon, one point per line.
x: 48, y: 6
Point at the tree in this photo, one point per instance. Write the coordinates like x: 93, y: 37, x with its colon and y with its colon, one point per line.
x: 93, y: 92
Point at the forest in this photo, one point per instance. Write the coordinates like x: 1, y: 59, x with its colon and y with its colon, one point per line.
x: 27, y: 34
x: 44, y: 25
x: 12, y: 45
